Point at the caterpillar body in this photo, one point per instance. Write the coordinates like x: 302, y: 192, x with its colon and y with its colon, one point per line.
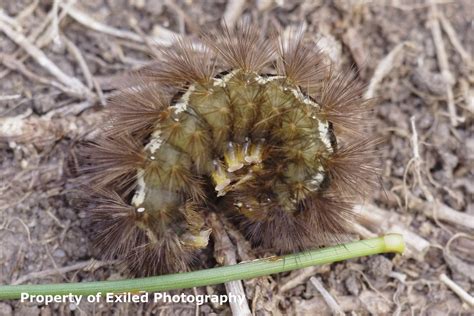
x: 262, y: 129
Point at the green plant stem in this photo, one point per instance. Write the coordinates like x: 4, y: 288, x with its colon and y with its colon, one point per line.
x: 247, y: 270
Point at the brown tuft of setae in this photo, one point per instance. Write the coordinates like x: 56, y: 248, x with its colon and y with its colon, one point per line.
x: 286, y: 154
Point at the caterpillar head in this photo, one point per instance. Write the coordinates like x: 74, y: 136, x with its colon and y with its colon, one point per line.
x: 262, y: 130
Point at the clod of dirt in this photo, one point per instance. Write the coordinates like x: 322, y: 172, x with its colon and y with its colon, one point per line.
x: 5, y: 309
x: 353, y: 285
x: 429, y: 81
x: 379, y: 266
x: 26, y: 309
x: 375, y: 304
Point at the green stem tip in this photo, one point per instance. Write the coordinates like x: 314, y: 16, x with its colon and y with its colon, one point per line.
x: 241, y: 271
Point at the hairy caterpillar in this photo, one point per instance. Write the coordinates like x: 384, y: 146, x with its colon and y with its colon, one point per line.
x: 260, y: 128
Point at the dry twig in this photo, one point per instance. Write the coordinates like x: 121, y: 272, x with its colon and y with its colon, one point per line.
x: 457, y: 265
x: 384, y: 67
x: 74, y: 50
x: 259, y: 289
x: 42, y: 130
x: 330, y: 301
x: 444, y: 64
x: 225, y: 253
x: 448, y: 28
x: 39, y: 36
x: 74, y: 84
x: 442, y: 212
x: 27, y: 11
x: 9, y: 97
x: 181, y: 13
x: 417, y: 161
x: 13, y: 64
x: 298, y: 277
x: 165, y: 37
x: 10, y: 21
x: 233, y: 11
x: 457, y: 289
x: 89, y: 265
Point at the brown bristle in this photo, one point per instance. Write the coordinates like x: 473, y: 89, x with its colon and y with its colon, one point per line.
x: 113, y: 161
x: 243, y: 48
x: 138, y: 109
x: 116, y: 223
x: 182, y: 64
x: 343, y: 104
x: 354, y: 168
x: 301, y: 64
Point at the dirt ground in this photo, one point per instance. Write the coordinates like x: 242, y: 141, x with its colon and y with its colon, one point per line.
x: 59, y: 63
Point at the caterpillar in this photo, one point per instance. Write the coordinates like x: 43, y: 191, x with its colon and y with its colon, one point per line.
x: 263, y: 130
